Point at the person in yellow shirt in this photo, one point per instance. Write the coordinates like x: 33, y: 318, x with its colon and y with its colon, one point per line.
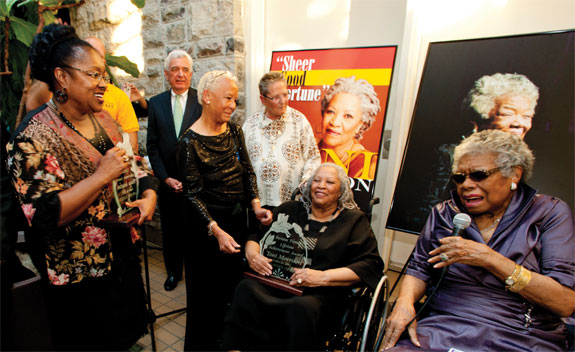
x: 117, y: 103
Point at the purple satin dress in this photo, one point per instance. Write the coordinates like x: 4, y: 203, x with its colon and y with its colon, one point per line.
x: 472, y: 311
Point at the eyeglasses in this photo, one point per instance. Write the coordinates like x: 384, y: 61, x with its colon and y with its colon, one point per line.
x: 277, y: 98
x: 475, y: 176
x: 95, y: 75
x: 176, y: 69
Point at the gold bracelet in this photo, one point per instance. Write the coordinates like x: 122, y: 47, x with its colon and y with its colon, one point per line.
x: 210, y: 226
x: 522, y: 281
x: 512, y: 279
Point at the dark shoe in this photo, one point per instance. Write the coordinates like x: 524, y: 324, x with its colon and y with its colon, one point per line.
x: 170, y: 283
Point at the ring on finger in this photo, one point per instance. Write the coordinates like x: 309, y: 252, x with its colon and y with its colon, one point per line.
x: 126, y: 158
x: 443, y: 257
x: 299, y: 281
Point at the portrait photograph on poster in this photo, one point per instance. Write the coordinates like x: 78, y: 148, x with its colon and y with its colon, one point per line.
x: 460, y: 82
x: 343, y: 93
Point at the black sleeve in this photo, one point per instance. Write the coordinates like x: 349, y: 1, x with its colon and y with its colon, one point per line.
x: 139, y: 109
x: 152, y: 145
x: 362, y: 253
x: 192, y: 182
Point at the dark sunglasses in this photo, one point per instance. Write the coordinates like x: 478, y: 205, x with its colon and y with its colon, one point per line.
x: 475, y: 176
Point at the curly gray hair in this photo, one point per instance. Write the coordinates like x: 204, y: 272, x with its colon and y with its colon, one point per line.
x: 268, y: 79
x: 345, y: 199
x: 482, y: 97
x: 210, y: 78
x: 176, y: 54
x: 364, y: 91
x: 510, y: 150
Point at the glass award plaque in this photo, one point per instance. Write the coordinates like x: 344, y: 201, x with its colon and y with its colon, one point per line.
x: 286, y: 246
x: 125, y: 189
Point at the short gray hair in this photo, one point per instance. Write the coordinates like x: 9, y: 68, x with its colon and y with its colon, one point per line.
x: 176, y: 54
x: 510, y: 150
x: 268, y: 79
x: 364, y: 91
x: 345, y: 199
x: 209, y: 79
x: 487, y: 89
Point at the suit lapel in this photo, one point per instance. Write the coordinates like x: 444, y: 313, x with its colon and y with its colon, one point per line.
x: 191, y: 106
x: 166, y: 107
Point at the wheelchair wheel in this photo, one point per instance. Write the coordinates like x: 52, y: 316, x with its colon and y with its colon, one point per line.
x: 374, y: 327
x: 348, y: 336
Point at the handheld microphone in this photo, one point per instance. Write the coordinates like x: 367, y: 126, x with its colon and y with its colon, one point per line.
x: 461, y: 221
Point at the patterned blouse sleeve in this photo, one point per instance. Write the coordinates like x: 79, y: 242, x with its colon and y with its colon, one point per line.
x: 250, y: 181
x: 37, y: 179
x: 309, y: 149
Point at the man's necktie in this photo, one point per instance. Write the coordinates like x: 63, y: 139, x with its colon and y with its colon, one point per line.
x: 178, y: 114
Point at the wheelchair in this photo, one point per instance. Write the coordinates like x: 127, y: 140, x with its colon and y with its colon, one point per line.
x: 362, y: 324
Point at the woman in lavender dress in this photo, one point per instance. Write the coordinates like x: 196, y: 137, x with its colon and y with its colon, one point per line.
x: 510, y: 275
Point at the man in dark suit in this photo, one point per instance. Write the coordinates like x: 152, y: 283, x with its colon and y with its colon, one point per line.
x: 170, y: 114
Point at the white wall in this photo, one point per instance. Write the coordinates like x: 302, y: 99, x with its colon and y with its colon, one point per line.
x: 410, y: 24
x: 441, y: 20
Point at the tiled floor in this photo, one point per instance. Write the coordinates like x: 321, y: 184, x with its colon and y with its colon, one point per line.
x: 169, y: 331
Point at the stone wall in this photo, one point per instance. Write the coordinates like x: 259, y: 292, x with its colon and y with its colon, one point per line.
x: 211, y: 31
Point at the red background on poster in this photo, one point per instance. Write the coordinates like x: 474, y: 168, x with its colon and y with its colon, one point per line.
x: 356, y: 61
x: 310, y: 73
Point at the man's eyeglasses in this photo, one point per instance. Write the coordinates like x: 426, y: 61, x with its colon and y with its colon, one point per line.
x: 277, y: 98
x: 95, y: 75
x: 475, y: 176
x: 175, y: 69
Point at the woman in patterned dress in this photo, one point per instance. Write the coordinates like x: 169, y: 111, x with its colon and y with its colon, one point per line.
x: 62, y: 160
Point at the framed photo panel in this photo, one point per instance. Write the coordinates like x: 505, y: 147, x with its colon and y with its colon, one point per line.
x: 444, y: 114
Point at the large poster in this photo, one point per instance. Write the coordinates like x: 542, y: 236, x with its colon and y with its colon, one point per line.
x: 344, y: 94
x: 453, y: 101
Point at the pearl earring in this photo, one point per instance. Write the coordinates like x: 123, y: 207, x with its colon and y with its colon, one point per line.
x: 513, y: 186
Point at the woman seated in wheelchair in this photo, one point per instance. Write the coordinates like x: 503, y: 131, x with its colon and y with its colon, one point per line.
x: 342, y: 251
x: 510, y: 275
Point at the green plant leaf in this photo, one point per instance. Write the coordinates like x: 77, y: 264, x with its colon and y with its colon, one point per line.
x: 4, y: 11
x: 9, y: 4
x: 26, y: 2
x: 139, y: 3
x: 49, y: 17
x: 24, y: 30
x: 123, y: 63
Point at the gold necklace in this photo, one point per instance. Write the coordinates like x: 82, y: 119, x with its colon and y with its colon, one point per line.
x: 490, y: 227
x: 345, y: 151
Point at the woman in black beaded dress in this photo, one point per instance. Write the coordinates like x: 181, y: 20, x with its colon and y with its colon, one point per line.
x: 219, y: 182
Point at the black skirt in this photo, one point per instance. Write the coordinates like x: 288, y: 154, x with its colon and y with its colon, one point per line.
x: 104, y: 314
